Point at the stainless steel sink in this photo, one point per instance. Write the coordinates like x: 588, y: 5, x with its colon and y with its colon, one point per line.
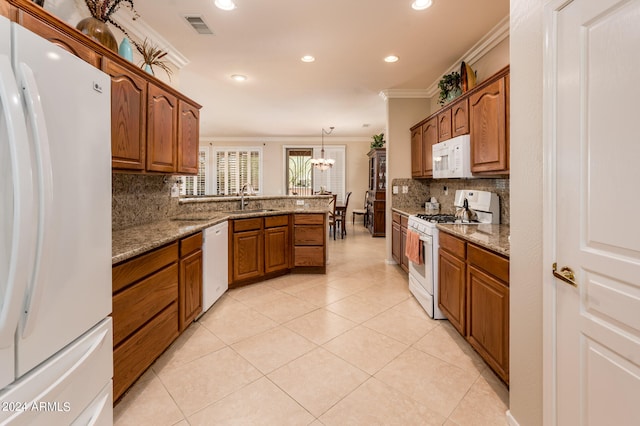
x: 251, y: 211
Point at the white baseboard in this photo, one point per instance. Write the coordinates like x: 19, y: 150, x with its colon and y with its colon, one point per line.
x: 510, y: 420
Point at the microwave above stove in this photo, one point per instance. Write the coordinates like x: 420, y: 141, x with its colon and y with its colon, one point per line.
x: 452, y: 158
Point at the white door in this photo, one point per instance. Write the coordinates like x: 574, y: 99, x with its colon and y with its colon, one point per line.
x: 595, y: 140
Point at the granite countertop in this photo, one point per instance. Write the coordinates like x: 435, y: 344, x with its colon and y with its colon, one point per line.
x: 408, y: 211
x: 130, y: 242
x: 492, y: 237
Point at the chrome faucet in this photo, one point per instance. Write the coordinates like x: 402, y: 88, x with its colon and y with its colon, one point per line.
x: 246, y: 188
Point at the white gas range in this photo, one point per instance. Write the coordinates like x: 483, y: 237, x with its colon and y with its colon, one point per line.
x: 480, y: 206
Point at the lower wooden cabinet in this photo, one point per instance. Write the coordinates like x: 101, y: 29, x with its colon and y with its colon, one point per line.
x: 398, y: 240
x: 310, y: 233
x: 474, y: 295
x: 190, y: 279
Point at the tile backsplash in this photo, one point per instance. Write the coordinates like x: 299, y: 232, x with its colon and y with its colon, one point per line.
x: 421, y: 190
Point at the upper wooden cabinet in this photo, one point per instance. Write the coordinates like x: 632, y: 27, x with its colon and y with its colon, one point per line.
x: 416, y: 152
x: 429, y: 138
x: 128, y: 117
x: 488, y: 114
x: 154, y: 127
x: 188, y: 137
x: 162, y: 135
x: 444, y: 125
x: 460, y: 118
x: 482, y: 112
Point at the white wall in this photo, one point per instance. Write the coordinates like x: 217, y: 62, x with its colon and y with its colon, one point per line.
x: 526, y: 212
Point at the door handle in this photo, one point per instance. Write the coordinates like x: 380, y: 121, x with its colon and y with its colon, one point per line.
x: 566, y: 274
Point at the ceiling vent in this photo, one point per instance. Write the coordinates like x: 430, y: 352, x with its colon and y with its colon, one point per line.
x: 198, y: 24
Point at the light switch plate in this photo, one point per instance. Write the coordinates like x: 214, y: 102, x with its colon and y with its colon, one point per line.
x: 299, y: 202
x: 175, y: 191
x: 395, y: 189
x: 405, y: 189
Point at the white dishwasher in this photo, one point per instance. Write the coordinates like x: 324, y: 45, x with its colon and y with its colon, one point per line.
x: 215, y: 255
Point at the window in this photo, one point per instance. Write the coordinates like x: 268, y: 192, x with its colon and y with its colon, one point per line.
x: 234, y: 167
x: 303, y: 179
x: 197, y: 185
x: 299, y: 173
x: 334, y: 178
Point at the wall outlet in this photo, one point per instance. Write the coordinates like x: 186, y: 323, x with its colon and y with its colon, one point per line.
x: 299, y: 202
x: 395, y: 189
x: 175, y: 191
x: 405, y: 189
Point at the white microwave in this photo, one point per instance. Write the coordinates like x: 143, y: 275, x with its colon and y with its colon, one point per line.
x: 452, y: 158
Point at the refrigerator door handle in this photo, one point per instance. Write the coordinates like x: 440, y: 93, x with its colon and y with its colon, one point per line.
x: 45, y: 190
x: 21, y: 262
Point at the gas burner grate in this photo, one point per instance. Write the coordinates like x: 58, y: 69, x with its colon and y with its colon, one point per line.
x: 437, y: 218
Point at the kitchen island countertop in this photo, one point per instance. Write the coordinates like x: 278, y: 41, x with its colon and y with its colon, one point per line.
x: 136, y: 240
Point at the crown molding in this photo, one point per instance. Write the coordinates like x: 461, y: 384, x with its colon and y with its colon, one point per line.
x: 218, y: 140
x: 141, y: 30
x: 494, y: 37
x: 404, y: 93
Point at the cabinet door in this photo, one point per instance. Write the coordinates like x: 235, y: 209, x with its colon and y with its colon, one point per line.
x: 429, y: 137
x: 190, y: 288
x: 58, y: 38
x: 188, y: 138
x: 128, y: 117
x: 488, y: 317
x: 487, y: 112
x: 460, y: 118
x: 248, y: 256
x: 276, y: 249
x: 444, y: 125
x: 403, y: 245
x: 161, y: 130
x: 416, y: 153
x: 396, y: 236
x: 451, y: 297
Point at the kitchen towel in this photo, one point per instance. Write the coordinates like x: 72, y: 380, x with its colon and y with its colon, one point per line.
x: 413, y: 247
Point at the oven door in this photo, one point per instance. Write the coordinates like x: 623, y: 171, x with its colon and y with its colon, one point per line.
x: 421, y: 276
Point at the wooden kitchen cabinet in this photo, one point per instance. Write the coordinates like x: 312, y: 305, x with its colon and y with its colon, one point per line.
x: 452, y: 280
x: 488, y: 308
x: 190, y: 279
x: 416, y: 152
x: 128, y: 117
x: 398, y: 240
x: 488, y: 128
x: 309, y: 239
x: 247, y: 250
x: 277, y: 244
x: 162, y: 136
x: 444, y: 125
x: 145, y: 312
x: 376, y: 196
x: 188, y: 137
x: 429, y: 138
x: 460, y: 118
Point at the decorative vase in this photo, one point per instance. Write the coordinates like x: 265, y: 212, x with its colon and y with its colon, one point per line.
x: 125, y: 50
x: 454, y: 94
x: 39, y: 2
x: 99, y: 31
x: 148, y: 69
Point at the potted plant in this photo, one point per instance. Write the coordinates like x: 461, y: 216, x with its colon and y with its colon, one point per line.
x: 449, y: 87
x: 152, y: 56
x: 378, y: 141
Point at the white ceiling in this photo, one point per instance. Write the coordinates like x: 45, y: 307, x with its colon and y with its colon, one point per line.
x: 283, y: 96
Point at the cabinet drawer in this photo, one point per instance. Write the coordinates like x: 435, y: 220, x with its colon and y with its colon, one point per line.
x: 404, y: 221
x: 247, y: 224
x: 490, y: 262
x: 190, y: 244
x: 133, y: 270
x: 453, y: 245
x: 309, y: 256
x: 273, y: 221
x: 136, y: 354
x: 395, y: 217
x: 309, y: 219
x: 308, y: 235
x: 136, y: 305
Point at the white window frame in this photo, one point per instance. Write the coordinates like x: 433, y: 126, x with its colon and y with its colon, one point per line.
x: 323, y: 178
x: 203, y: 168
x: 237, y: 150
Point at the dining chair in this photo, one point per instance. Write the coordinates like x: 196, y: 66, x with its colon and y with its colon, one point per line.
x: 363, y: 211
x: 332, y: 215
x: 341, y: 215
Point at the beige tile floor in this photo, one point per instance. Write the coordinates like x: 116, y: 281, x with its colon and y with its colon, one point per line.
x: 351, y: 347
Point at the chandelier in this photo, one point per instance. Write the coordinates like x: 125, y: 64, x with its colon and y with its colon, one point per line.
x: 322, y: 163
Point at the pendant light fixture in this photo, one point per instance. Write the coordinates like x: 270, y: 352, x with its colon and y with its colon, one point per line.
x: 322, y: 163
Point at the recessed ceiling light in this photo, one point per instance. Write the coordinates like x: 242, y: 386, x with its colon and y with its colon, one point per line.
x: 391, y: 58
x: 225, y: 4
x: 308, y: 58
x: 421, y: 4
x: 239, y: 77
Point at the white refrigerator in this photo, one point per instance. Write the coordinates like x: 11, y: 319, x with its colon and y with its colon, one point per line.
x: 56, y: 361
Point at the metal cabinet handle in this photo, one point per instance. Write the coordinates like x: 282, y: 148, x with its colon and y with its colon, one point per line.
x: 566, y: 274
